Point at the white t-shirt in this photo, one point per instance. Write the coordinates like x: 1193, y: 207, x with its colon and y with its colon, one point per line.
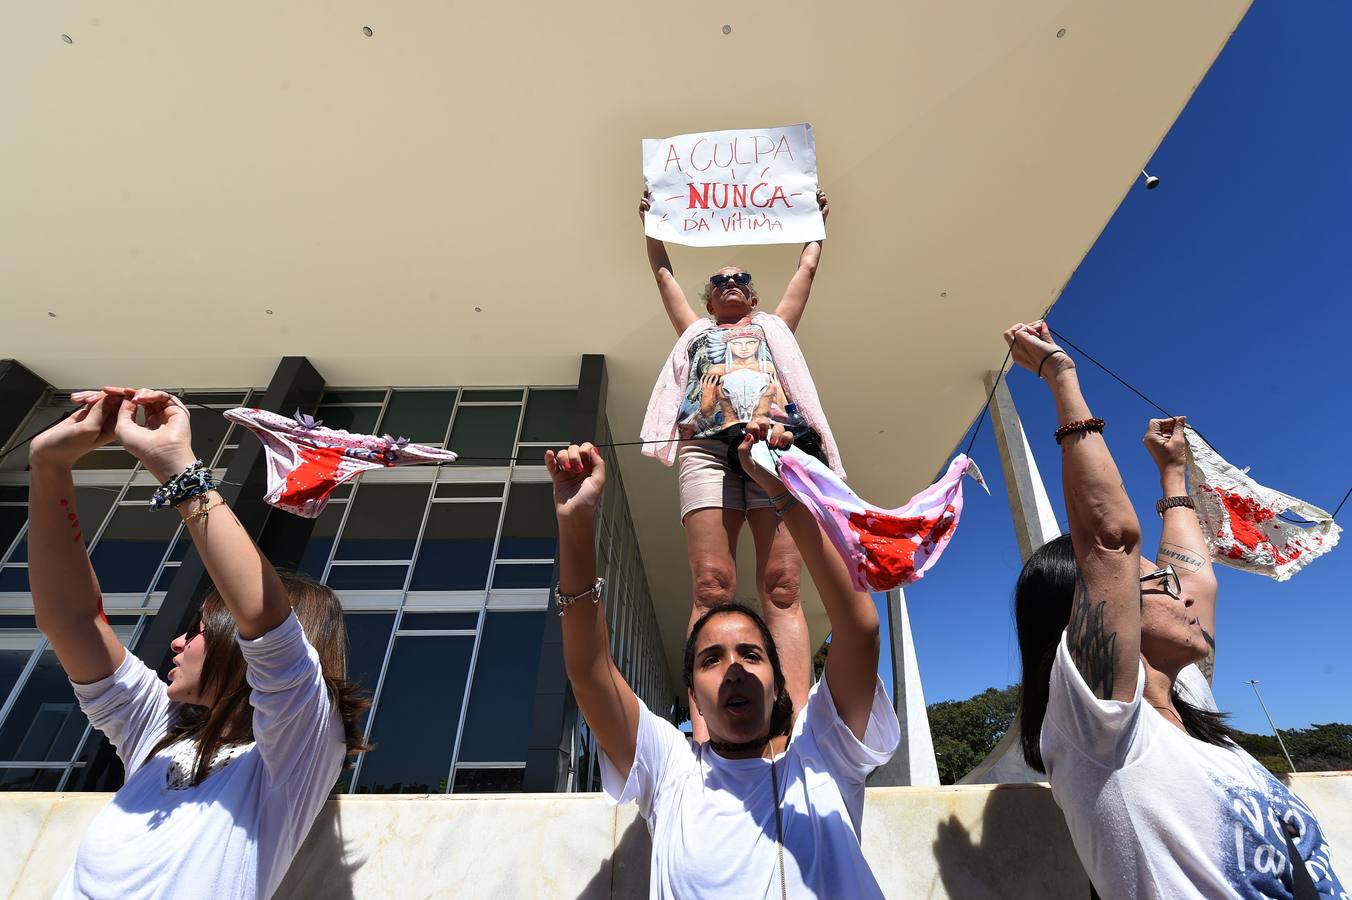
x: 713, y: 819
x: 234, y: 834
x: 1157, y: 813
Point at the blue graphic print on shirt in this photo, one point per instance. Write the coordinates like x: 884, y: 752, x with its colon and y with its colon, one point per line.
x: 1253, y: 847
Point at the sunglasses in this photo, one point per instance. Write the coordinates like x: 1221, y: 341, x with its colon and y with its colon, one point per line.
x: 742, y: 279
x: 193, y: 631
x: 1167, y: 579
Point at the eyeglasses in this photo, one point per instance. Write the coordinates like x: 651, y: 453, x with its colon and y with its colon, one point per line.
x: 1168, y: 580
x: 740, y: 278
x: 193, y: 630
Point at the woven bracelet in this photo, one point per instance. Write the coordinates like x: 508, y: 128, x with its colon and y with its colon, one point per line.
x: 191, y: 482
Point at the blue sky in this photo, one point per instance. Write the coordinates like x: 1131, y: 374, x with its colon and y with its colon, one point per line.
x: 1223, y: 295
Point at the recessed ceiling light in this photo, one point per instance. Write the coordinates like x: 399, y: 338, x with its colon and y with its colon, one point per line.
x: 52, y: 314
x: 268, y: 311
x: 727, y: 29
x: 366, y: 30
x: 1061, y: 32
x: 67, y: 39
x: 478, y: 309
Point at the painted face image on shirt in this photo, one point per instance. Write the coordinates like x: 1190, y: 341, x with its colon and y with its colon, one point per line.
x: 744, y: 348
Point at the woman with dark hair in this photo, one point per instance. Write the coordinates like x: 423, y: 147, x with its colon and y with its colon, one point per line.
x: 737, y: 368
x: 1159, y: 800
x: 228, y: 762
x: 771, y: 804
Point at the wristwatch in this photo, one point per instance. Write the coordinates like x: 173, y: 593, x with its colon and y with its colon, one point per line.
x: 1170, y: 502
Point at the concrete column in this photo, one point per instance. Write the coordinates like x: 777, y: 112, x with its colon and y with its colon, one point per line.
x: 1034, y: 525
x: 1034, y: 520
x: 914, y: 762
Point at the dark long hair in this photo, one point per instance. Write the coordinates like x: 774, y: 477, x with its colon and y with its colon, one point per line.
x: 781, y: 713
x: 229, y: 720
x: 1042, y: 601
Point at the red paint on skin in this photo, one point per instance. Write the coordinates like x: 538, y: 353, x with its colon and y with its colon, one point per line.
x: 890, y: 543
x: 102, y: 614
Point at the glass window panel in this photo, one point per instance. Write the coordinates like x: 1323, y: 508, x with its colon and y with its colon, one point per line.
x: 317, y: 549
x: 226, y: 458
x: 51, y: 410
x: 11, y: 520
x: 166, y: 579
x: 109, y: 457
x: 16, y: 647
x: 140, y: 492
x: 530, y: 456
x: 346, y: 396
x: 13, y: 493
x: 497, y: 728
x: 219, y: 398
x: 179, y: 551
x: 420, y: 416
x: 208, y: 430
x: 45, y: 723
x: 529, y: 530
x: 30, y: 779
x: 549, y: 416
x: 368, y: 636
x: 470, y: 489
x: 489, y: 781
x: 128, y: 554
x: 369, y: 578
x: 485, y: 435
x: 357, y: 419
x: 439, y: 621
x: 14, y: 579
x: 490, y: 396
x: 384, y: 522
x: 457, y: 547
x: 414, y: 729
x: 534, y: 576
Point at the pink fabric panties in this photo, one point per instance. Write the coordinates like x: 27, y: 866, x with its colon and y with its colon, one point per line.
x: 306, y: 461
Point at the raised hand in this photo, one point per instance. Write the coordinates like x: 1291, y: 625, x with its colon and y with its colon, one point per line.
x: 579, y: 476
x: 1034, y: 349
x: 88, y: 428
x: 1166, y: 444
x: 768, y: 483
x: 164, y: 443
x: 645, y: 204
x: 823, y: 204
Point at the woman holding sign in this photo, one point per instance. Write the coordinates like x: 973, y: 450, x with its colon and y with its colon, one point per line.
x: 738, y: 368
x: 771, y: 805
x: 1159, y: 800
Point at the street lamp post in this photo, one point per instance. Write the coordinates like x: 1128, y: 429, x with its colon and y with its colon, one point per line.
x: 1253, y: 682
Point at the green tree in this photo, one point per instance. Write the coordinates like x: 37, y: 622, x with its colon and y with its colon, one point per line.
x: 966, y: 731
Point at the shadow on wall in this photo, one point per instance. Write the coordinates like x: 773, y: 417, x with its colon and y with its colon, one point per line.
x: 325, y: 864
x: 1024, y: 850
x: 625, y: 872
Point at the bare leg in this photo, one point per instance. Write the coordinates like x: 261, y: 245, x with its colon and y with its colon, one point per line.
x: 778, y: 574
x: 711, y: 541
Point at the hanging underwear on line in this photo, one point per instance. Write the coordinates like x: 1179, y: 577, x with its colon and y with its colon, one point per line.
x: 882, y: 548
x: 306, y: 461
x: 1241, y: 519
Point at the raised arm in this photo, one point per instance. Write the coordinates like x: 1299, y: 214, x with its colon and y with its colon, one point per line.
x: 852, y: 666
x: 1181, y: 542
x: 673, y: 298
x: 66, y: 599
x: 1104, y: 634
x: 794, y: 302
x: 605, y: 698
x: 247, y: 582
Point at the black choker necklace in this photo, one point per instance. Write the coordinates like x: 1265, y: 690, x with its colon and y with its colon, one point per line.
x: 726, y: 747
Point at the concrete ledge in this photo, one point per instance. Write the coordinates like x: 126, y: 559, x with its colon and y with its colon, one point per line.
x: 972, y: 842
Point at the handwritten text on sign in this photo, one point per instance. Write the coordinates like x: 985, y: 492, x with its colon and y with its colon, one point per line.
x: 756, y: 186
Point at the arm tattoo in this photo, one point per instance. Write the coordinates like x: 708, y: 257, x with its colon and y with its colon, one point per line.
x: 1090, y: 645
x: 1208, y: 665
x: 1182, y: 557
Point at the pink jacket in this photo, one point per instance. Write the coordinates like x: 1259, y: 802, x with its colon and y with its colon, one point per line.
x: 659, y: 424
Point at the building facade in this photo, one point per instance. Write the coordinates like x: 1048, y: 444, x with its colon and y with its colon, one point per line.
x: 444, y: 572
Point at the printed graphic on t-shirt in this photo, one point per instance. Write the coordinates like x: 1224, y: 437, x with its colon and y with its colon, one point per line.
x: 732, y: 381
x: 1253, y: 849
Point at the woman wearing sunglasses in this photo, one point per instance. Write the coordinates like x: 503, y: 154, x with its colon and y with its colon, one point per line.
x: 738, y: 368
x: 1159, y: 800
x: 229, y: 761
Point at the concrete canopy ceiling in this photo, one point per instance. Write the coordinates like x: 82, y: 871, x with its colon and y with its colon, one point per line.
x: 182, y: 163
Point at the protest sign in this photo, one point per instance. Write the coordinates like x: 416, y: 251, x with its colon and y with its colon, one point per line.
x: 753, y: 186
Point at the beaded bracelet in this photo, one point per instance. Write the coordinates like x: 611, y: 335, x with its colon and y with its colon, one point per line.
x: 191, y: 482
x: 1082, y: 425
